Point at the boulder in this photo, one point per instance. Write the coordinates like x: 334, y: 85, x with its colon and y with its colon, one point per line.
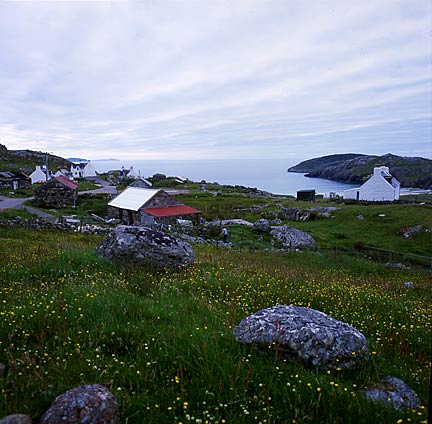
x: 16, y: 419
x: 292, y: 237
x: 92, y: 404
x: 304, y: 334
x: 393, y: 392
x: 411, y: 231
x: 262, y: 225
x: 295, y: 214
x: 146, y: 246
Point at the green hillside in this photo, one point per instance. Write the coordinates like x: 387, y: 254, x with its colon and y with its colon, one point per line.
x: 26, y: 160
x: 355, y: 168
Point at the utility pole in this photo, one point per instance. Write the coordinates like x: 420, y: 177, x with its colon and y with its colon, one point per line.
x: 46, y: 167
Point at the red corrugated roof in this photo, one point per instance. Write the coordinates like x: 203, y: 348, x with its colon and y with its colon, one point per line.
x: 67, y: 182
x: 171, y: 211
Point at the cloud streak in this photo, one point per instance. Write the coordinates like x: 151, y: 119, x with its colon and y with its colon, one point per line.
x: 183, y: 80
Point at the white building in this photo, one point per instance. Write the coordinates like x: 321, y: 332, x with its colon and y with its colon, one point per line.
x: 381, y: 186
x: 64, y: 173
x: 39, y: 175
x: 83, y: 170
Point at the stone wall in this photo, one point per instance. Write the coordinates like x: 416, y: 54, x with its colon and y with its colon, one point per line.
x: 161, y: 200
x: 42, y: 224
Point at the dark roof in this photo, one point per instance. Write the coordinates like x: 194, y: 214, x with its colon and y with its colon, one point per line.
x: 67, y: 182
x: 8, y: 174
x: 171, y: 211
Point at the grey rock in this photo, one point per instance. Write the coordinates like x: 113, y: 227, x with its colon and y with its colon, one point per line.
x: 360, y: 217
x: 409, y: 232
x: 146, y: 246
x: 292, y: 237
x: 393, y: 392
x: 92, y: 404
x: 304, y: 334
x: 276, y: 221
x: 16, y: 419
x: 262, y: 225
x: 295, y: 214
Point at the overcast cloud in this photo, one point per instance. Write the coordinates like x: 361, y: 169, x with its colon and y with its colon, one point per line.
x: 216, y: 79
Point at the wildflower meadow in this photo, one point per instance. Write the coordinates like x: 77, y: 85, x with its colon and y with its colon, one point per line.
x: 162, y: 343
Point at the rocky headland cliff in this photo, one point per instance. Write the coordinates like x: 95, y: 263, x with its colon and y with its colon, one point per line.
x: 355, y: 168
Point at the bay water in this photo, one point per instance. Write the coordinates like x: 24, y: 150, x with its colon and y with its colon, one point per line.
x: 265, y: 174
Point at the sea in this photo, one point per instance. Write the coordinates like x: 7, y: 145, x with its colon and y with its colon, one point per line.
x: 264, y: 174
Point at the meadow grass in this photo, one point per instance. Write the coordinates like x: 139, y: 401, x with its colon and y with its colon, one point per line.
x: 163, y: 345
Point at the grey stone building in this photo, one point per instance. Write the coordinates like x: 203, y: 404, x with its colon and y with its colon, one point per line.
x: 58, y: 192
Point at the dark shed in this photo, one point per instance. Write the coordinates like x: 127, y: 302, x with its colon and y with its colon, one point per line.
x: 306, y: 195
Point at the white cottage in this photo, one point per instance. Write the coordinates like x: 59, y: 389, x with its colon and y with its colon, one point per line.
x: 39, y: 175
x: 381, y: 186
x: 83, y: 170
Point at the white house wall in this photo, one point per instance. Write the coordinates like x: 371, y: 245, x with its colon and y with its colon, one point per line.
x: 38, y: 176
x: 377, y: 189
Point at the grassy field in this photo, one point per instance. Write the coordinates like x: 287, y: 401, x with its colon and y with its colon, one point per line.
x: 163, y: 344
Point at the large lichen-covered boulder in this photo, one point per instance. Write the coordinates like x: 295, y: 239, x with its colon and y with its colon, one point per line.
x: 292, y: 237
x: 146, y: 246
x: 393, y: 392
x: 304, y: 334
x: 91, y: 404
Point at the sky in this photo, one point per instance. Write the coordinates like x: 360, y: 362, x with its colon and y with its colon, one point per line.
x: 215, y: 79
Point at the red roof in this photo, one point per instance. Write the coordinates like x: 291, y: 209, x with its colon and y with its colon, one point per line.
x: 171, y: 211
x: 67, y: 182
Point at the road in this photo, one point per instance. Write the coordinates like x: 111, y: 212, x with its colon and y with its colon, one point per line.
x: 12, y: 202
x: 18, y: 203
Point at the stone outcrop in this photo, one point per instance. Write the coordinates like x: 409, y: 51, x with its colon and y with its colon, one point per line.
x: 304, y: 334
x: 92, y: 404
x: 262, y: 225
x: 146, y: 246
x: 393, y: 392
x: 292, y: 237
x: 295, y: 214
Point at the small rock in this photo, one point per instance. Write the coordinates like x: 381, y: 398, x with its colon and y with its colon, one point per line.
x: 16, y: 419
x: 360, y: 217
x: 409, y: 232
x: 92, y: 404
x: 395, y: 393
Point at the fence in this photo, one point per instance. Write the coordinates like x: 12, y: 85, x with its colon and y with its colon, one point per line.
x: 389, y: 257
x: 397, y: 259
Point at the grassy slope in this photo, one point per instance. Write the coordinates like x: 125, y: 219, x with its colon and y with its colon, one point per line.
x: 343, y: 231
x: 26, y: 160
x: 163, y: 343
